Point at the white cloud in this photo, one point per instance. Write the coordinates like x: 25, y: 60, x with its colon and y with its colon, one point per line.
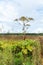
x: 8, y: 11
x: 39, y: 30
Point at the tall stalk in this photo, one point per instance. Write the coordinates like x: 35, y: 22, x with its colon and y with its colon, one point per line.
x: 25, y: 21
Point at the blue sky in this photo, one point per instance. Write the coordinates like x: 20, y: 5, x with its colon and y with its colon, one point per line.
x: 11, y: 9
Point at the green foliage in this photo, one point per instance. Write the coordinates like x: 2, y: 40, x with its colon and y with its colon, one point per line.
x: 18, y: 52
x: 37, y: 54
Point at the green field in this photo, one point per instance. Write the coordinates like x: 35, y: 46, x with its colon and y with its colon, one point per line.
x: 20, y: 52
